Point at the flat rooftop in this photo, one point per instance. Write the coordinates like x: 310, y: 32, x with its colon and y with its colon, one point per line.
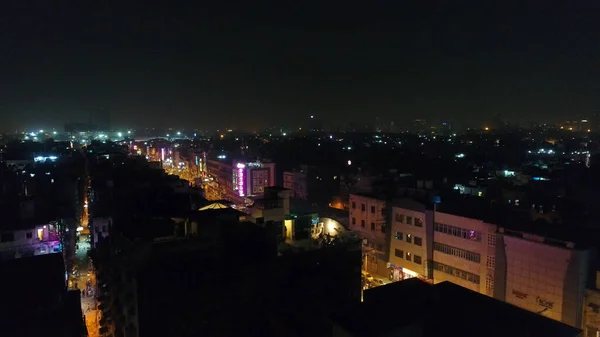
x: 443, y: 309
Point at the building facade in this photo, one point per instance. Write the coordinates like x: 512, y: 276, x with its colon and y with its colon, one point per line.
x: 237, y: 180
x: 368, y: 218
x: 591, y: 310
x: 463, y: 252
x: 410, y: 249
x: 38, y: 240
x: 544, y: 275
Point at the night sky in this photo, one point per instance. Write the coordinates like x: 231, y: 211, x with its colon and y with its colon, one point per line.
x: 185, y: 64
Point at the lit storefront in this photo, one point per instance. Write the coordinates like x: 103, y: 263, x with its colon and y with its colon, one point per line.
x: 397, y: 273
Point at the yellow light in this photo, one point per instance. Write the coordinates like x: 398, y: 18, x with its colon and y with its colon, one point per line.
x: 570, y: 129
x: 486, y: 128
x: 589, y: 130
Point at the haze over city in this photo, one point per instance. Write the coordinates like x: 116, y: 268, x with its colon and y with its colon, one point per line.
x: 214, y: 65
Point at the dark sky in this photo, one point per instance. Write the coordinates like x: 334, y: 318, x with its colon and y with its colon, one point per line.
x: 185, y: 63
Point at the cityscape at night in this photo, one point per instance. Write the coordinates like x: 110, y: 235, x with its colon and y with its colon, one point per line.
x: 390, y: 169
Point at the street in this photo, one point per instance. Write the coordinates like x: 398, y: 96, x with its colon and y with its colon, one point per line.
x: 86, y: 284
x: 83, y: 278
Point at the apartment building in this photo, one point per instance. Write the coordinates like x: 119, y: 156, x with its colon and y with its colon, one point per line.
x: 410, y: 241
x: 544, y: 275
x: 368, y: 219
x: 464, y: 252
x: 591, y: 309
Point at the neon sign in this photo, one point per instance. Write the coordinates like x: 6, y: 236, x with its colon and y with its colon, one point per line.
x: 240, y: 178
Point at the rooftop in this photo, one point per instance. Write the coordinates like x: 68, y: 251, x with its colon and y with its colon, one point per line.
x: 429, y: 310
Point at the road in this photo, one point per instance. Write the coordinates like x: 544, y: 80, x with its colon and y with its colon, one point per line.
x: 87, y: 286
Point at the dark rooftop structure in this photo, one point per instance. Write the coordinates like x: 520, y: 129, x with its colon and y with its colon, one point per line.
x: 437, y: 310
x: 36, y: 301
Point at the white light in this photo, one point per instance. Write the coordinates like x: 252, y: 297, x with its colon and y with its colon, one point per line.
x: 349, y: 162
x: 120, y: 134
x: 54, y: 132
x: 285, y: 134
x: 178, y: 133
x: 129, y: 132
x: 41, y: 131
x: 79, y: 229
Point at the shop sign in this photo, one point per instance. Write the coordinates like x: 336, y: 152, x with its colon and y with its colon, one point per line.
x: 519, y: 294
x: 544, y: 303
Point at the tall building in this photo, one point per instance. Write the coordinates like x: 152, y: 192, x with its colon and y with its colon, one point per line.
x: 239, y: 179
x: 368, y: 218
x: 527, y: 268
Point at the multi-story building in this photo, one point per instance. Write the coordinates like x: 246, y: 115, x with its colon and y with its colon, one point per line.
x: 543, y: 275
x: 463, y: 251
x: 315, y: 184
x: 29, y: 241
x: 368, y: 218
x: 410, y: 248
x: 238, y: 180
x: 591, y: 309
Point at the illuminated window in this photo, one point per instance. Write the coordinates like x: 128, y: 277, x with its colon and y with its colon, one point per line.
x: 399, y: 236
x: 408, y: 238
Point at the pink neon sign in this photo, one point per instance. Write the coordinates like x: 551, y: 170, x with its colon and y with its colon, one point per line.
x: 240, y: 178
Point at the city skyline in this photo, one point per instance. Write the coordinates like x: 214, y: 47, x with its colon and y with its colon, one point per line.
x: 229, y: 66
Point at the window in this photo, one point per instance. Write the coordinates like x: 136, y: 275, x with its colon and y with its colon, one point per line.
x: 399, y: 236
x: 383, y: 228
x: 408, y: 238
x: 457, y: 231
x: 29, y: 235
x: 399, y: 217
x: 489, y: 284
x: 492, y: 240
x: 354, y: 221
x: 408, y: 256
x: 463, y: 254
x: 491, y: 262
x: 7, y: 237
x: 417, y: 259
x: 465, y: 275
x: 418, y: 222
x: 372, y: 226
x: 418, y: 241
x: 372, y: 209
x: 399, y: 253
x: 379, y: 247
x: 363, y: 207
x: 363, y: 223
x: 409, y: 220
x: 354, y: 205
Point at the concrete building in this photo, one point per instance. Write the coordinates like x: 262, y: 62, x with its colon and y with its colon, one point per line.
x: 240, y: 179
x: 544, y: 275
x: 410, y: 242
x: 463, y: 252
x: 368, y: 218
x: 37, y: 240
x: 591, y: 309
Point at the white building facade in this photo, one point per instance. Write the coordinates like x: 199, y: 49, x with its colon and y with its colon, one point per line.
x: 546, y: 276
